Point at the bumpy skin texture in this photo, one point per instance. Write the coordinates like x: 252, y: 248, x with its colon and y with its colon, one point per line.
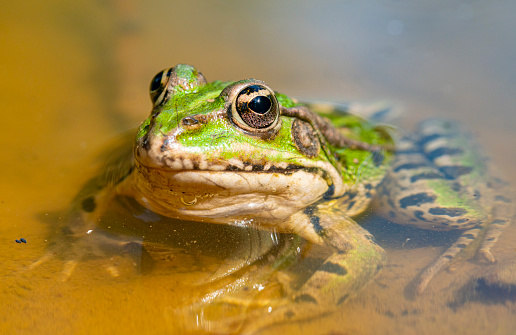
x: 239, y: 153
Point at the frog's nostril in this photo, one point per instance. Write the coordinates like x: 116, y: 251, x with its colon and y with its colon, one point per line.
x: 189, y: 121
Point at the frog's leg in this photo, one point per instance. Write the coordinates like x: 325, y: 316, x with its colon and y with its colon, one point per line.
x: 355, y: 261
x: 440, y: 181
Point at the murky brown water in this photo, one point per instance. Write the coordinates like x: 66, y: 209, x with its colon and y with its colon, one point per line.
x: 75, y: 75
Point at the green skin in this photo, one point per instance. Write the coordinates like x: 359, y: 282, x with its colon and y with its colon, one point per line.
x: 307, y: 171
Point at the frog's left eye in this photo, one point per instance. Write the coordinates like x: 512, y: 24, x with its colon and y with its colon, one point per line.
x: 167, y: 82
x: 256, y: 108
x: 158, y: 86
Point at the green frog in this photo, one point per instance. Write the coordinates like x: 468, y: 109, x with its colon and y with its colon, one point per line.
x: 241, y: 154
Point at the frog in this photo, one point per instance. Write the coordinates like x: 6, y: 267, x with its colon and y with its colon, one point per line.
x: 240, y: 154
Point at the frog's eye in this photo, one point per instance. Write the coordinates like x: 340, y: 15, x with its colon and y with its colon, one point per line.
x: 180, y: 77
x: 256, y: 108
x: 158, y: 87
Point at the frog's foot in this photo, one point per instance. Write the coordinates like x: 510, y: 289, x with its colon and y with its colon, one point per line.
x: 440, y: 263
x: 75, y: 250
x: 491, y: 234
x: 502, y: 215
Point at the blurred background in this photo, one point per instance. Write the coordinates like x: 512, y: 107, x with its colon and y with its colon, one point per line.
x: 76, y: 74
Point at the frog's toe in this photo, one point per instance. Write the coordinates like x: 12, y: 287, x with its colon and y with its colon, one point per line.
x: 487, y: 255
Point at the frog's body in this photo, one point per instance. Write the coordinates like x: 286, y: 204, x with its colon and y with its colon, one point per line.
x: 238, y: 153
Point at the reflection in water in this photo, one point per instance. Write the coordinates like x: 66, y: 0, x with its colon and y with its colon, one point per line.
x: 234, y: 271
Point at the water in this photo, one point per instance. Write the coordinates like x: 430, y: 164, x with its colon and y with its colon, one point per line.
x: 76, y: 75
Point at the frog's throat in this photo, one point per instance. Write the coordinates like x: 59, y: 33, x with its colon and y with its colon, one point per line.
x: 218, y: 196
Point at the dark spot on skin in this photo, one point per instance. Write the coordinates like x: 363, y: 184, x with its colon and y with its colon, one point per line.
x: 503, y: 199
x: 89, y: 205
x: 498, y: 222
x: 490, y: 239
x: 453, y: 212
x: 425, y: 176
x: 350, y: 195
x: 462, y: 220
x: 342, y: 299
x: 381, y: 114
x: 390, y: 201
x: 408, y: 152
x: 289, y: 314
x: 333, y: 268
x: 309, y: 210
x: 469, y: 236
x: 314, y: 220
x: 456, y: 187
x: 305, y: 298
x: 461, y: 246
x: 378, y: 158
x: 369, y: 237
x: 419, y: 215
x: 329, y: 193
x: 453, y: 172
x: 368, y: 195
x: 17, y: 241
x: 429, y: 138
x: 351, y: 204
x: 444, y: 151
x: 416, y: 200
x: 409, y: 166
x: 448, y: 256
x: 368, y: 186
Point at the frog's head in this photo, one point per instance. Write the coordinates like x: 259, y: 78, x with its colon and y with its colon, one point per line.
x: 225, y: 149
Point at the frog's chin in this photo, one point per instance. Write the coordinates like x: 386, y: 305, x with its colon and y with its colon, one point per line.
x: 219, y: 196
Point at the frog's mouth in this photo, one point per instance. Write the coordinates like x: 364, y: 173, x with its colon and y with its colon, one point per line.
x: 219, y: 196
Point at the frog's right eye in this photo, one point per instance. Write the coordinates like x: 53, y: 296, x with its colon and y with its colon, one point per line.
x: 158, y: 87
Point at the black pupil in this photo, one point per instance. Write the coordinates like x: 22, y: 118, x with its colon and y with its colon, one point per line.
x: 260, y: 104
x: 156, y: 82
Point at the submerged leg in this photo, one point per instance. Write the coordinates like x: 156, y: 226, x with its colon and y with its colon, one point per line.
x: 441, y: 181
x: 355, y: 261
